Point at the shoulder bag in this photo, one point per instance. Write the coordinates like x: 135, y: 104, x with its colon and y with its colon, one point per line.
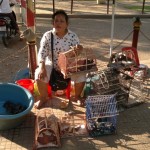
x: 57, y: 81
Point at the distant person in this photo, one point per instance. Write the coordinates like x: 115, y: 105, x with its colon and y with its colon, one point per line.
x: 6, y: 11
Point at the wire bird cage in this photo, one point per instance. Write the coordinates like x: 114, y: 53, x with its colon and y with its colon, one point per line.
x: 77, y: 61
x: 101, y: 114
x: 106, y: 82
x: 72, y: 124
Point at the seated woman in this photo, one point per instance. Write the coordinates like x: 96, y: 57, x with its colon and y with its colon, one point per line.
x: 63, y: 39
x: 6, y: 11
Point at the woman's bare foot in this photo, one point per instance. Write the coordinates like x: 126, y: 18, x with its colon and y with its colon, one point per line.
x: 81, y: 102
x: 78, y: 101
x: 40, y: 103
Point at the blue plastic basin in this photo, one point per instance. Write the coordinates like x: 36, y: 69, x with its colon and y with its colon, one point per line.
x: 18, y: 95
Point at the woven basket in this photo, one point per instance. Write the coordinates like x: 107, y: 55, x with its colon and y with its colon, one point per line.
x: 77, y: 61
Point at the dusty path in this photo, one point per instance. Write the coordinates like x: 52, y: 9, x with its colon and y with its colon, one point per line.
x: 94, y: 33
x: 133, y: 130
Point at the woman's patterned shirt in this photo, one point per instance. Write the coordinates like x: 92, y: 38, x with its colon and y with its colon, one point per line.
x: 59, y: 45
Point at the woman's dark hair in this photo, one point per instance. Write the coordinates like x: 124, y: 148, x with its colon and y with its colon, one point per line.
x: 60, y: 12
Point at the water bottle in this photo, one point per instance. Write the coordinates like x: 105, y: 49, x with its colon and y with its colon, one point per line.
x: 72, y: 93
x: 87, y: 88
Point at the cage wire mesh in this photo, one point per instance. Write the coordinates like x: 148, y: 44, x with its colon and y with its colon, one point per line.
x: 99, y: 106
x: 138, y: 91
x: 101, y: 114
x: 106, y: 82
x: 72, y: 124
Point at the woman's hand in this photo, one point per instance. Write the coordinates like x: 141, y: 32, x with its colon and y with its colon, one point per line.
x: 78, y: 49
x: 42, y: 73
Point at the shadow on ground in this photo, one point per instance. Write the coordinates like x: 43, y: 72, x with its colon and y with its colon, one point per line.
x: 132, y: 127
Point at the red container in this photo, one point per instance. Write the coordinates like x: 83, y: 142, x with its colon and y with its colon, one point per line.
x: 49, y: 90
x: 26, y: 83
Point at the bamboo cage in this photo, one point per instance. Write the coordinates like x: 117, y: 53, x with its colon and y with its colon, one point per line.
x: 46, y: 129
x: 77, y: 61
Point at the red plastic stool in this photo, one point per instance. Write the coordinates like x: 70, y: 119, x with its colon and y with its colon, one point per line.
x: 131, y: 53
x: 67, y: 91
x: 49, y: 90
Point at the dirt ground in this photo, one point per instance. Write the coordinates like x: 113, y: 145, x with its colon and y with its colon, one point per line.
x: 93, y: 33
x: 133, y: 124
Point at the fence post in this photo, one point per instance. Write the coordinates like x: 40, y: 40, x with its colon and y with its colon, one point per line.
x: 143, y: 6
x: 32, y: 51
x: 32, y: 58
x: 30, y: 37
x: 53, y: 6
x: 30, y: 15
x: 136, y: 29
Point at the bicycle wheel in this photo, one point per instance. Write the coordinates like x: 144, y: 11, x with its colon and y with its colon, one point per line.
x: 5, y: 40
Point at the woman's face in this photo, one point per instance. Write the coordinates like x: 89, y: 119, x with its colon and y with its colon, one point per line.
x: 60, y: 23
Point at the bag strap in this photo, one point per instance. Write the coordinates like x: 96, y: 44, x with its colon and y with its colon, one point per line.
x: 52, y: 39
x: 1, y: 2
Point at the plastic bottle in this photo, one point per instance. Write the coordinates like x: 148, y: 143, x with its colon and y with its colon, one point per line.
x: 87, y: 88
x: 72, y: 89
x: 36, y: 91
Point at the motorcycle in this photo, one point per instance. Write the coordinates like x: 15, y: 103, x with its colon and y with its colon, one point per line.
x: 7, y: 32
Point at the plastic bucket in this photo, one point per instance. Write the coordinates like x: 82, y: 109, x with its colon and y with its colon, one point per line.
x: 26, y: 83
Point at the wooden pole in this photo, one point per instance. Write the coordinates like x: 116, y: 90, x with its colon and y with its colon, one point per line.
x: 53, y: 6
x: 107, y: 6
x: 143, y: 6
x: 32, y: 58
x: 71, y: 6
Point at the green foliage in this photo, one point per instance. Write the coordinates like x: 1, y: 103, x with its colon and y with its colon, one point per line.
x: 139, y: 8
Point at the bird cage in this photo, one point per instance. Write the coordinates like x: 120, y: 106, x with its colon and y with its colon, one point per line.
x: 105, y: 82
x: 77, y: 61
x: 46, y: 129
x: 122, y: 60
x: 72, y: 124
x: 101, y: 114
